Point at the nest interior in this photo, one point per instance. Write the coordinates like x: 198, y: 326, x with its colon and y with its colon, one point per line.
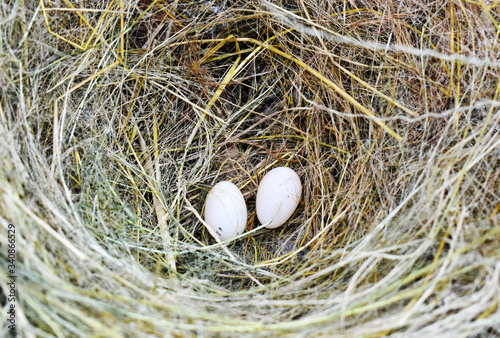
x: 117, y: 117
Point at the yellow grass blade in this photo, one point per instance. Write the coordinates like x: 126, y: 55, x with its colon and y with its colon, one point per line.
x: 320, y: 76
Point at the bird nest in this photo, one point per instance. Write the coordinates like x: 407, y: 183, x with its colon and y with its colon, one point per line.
x: 117, y: 117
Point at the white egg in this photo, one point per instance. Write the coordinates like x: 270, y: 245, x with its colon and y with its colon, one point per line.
x: 278, y: 196
x: 225, y: 211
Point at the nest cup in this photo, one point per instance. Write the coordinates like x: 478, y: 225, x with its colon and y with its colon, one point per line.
x: 118, y: 117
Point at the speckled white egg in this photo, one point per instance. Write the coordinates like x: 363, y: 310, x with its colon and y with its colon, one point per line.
x: 225, y: 211
x: 280, y: 185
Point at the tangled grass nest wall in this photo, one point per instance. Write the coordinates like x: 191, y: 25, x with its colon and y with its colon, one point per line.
x: 117, y: 117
